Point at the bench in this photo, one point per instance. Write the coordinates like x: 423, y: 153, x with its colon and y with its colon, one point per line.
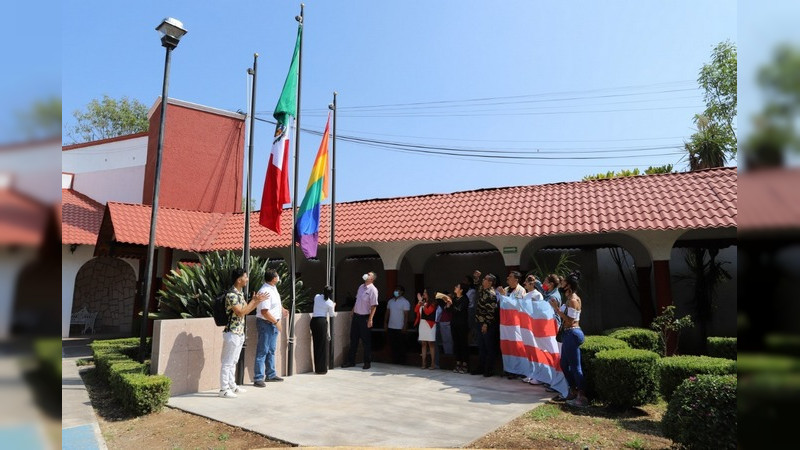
x: 85, y: 318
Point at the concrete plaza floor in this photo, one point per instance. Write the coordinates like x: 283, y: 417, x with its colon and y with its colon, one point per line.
x: 386, y: 406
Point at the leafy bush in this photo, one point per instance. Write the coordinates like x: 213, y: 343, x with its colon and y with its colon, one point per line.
x: 638, y: 338
x: 721, y: 347
x: 702, y: 412
x: 674, y: 369
x: 591, y: 346
x: 626, y: 377
x: 189, y: 290
x: 767, y: 403
x: 143, y: 394
x: 138, y: 392
x: 48, y: 353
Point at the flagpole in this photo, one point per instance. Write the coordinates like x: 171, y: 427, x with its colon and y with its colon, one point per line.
x: 246, y: 246
x: 293, y: 255
x: 332, y: 244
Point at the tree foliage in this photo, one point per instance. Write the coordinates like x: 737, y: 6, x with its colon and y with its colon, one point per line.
x: 108, y: 118
x: 718, y: 80
x: 714, y: 142
x: 775, y: 132
x: 652, y: 170
x: 42, y: 120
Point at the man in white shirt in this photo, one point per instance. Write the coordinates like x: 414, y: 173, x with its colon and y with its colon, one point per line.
x: 396, y: 323
x: 268, y: 318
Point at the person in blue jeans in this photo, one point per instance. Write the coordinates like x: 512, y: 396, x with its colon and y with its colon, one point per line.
x: 571, y: 342
x: 268, y: 320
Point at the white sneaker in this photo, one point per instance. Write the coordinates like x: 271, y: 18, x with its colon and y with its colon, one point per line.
x: 239, y: 390
x: 535, y: 382
x: 227, y: 393
x: 526, y: 380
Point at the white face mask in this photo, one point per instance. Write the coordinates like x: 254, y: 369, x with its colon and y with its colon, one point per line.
x: 365, y: 277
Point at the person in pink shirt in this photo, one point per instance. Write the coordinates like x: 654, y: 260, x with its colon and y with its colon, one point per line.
x: 361, y: 324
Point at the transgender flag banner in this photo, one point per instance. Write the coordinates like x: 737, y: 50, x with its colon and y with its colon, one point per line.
x: 528, y: 341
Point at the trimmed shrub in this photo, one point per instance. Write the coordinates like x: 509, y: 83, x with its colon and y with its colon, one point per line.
x: 767, y: 404
x: 702, y: 412
x: 143, y: 394
x: 130, y: 383
x: 638, y: 338
x: 626, y: 377
x: 592, y: 345
x: 119, y: 368
x: 674, y: 369
x: 48, y: 353
x: 721, y: 347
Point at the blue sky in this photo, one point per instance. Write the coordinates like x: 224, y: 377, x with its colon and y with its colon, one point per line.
x: 566, y: 84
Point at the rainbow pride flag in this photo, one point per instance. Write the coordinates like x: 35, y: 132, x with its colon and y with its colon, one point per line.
x: 306, y: 229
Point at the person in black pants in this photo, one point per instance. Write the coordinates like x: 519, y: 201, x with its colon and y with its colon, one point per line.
x: 487, y: 317
x: 361, y: 326
x: 460, y: 327
x: 395, y: 323
x: 323, y: 308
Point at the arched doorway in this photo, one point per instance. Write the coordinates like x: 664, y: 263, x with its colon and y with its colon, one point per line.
x: 107, y: 286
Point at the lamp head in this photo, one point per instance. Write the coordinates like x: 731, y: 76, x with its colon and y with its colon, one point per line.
x: 172, y: 31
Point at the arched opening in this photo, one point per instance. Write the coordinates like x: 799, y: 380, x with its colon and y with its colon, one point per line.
x: 703, y: 265
x: 616, y: 276
x: 107, y: 286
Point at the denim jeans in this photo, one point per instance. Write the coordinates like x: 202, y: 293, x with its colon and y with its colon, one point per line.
x: 265, y: 350
x: 487, y: 349
x: 571, y: 357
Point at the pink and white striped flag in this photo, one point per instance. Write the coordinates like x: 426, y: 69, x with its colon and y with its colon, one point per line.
x: 528, y: 341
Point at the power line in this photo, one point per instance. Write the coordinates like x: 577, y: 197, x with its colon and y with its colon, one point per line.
x: 483, y: 153
x: 483, y: 99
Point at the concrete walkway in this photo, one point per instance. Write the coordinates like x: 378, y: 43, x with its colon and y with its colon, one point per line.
x: 79, y: 427
x: 387, y: 406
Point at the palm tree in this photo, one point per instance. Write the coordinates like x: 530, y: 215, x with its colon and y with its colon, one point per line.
x: 706, y: 147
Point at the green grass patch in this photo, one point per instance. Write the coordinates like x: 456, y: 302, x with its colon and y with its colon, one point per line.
x: 635, y: 443
x: 568, y: 437
x: 84, y: 362
x: 544, y: 412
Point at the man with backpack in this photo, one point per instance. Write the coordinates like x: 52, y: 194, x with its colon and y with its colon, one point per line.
x: 233, y: 335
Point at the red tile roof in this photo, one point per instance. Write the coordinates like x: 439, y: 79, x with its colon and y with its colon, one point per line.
x: 80, y: 218
x: 768, y: 200
x: 703, y: 199
x: 22, y: 219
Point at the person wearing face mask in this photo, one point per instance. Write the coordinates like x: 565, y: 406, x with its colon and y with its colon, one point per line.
x: 361, y: 325
x: 396, y: 324
x: 323, y: 308
x: 268, y: 321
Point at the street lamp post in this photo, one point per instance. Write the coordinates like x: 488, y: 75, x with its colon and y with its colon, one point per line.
x: 171, y: 32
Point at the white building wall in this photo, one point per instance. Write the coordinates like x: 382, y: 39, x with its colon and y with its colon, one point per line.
x: 116, y: 185
x: 113, y: 171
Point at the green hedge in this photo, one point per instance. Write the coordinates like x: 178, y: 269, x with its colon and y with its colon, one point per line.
x: 48, y: 353
x: 767, y: 404
x: 638, y: 338
x: 702, y: 413
x: 674, y: 369
x: 130, y: 383
x: 626, y: 377
x: 721, y: 347
x: 593, y: 345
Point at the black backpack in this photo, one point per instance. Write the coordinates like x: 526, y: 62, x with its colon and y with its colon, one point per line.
x: 221, y: 315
